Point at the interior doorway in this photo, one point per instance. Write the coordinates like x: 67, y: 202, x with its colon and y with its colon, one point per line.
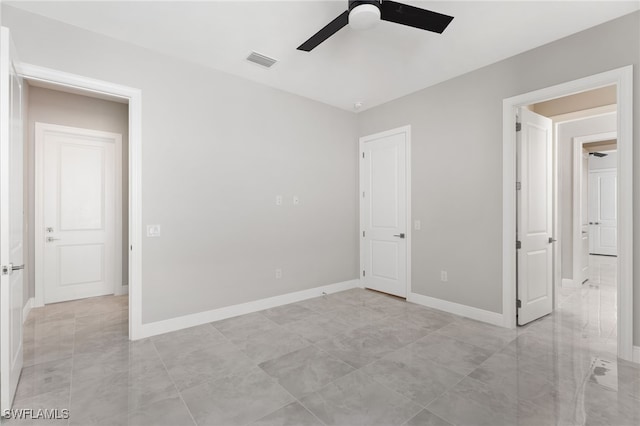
x: 76, y: 195
x: 579, y: 127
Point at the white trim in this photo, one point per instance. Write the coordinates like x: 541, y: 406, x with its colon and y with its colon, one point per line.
x: 567, y: 283
x: 636, y: 354
x: 40, y: 130
x: 26, y: 309
x: 192, y: 320
x: 623, y: 79
x: 576, y: 219
x: 134, y: 98
x: 408, y: 232
x: 457, y: 309
x: 124, y: 290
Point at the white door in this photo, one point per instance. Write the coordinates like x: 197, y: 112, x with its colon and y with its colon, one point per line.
x: 584, y: 217
x: 534, y: 221
x: 11, y: 223
x: 603, y: 189
x: 383, y: 210
x: 79, y: 193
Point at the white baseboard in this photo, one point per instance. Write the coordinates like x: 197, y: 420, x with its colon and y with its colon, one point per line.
x: 457, y: 309
x: 192, y: 320
x: 27, y: 308
x: 636, y: 354
x: 567, y: 283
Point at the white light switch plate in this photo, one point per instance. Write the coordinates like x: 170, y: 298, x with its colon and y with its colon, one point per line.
x: 278, y: 200
x: 153, y: 230
x: 417, y: 225
x: 296, y: 200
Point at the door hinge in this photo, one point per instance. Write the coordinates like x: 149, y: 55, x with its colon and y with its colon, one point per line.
x: 362, y: 194
x: 518, y: 245
x: 518, y: 127
x: 518, y: 186
x: 363, y: 155
x: 364, y: 273
x: 363, y: 234
x: 518, y: 303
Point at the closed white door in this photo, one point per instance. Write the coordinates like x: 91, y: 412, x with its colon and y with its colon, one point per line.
x: 383, y: 192
x: 80, y: 198
x: 603, y: 189
x: 11, y: 222
x: 534, y: 221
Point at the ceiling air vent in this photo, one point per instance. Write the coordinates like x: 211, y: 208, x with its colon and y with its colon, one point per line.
x: 259, y: 59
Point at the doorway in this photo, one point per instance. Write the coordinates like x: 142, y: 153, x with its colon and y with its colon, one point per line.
x: 619, y: 80
x: 76, y: 146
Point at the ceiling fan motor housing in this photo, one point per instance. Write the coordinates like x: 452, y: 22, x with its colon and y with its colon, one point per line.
x: 364, y: 13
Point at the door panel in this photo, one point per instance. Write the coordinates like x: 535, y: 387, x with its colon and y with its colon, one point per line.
x: 603, y: 212
x: 383, y: 213
x: 534, y: 217
x: 79, y: 212
x: 11, y: 222
x: 584, y: 217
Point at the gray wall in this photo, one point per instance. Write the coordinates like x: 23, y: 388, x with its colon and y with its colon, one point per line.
x: 457, y: 158
x: 216, y: 151
x: 66, y: 109
x: 566, y: 133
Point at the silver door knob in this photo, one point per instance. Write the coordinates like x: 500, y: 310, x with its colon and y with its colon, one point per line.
x: 51, y: 239
x: 399, y: 235
x: 8, y: 269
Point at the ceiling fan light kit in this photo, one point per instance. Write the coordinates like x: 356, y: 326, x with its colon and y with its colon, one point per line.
x: 363, y: 14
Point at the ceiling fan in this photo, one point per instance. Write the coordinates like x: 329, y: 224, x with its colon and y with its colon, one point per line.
x: 366, y: 13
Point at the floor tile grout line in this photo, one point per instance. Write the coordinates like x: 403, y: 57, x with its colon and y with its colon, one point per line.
x: 173, y: 382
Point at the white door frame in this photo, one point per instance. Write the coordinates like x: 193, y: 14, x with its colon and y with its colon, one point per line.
x: 407, y: 131
x: 133, y: 96
x: 623, y: 79
x: 116, y: 139
x: 578, y: 143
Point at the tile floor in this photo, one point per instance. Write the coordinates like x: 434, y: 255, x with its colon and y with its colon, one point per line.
x: 351, y: 358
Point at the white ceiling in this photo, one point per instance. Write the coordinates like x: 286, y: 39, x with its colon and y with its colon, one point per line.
x: 371, y: 66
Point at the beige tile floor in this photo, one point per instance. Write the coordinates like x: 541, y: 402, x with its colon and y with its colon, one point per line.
x: 352, y: 358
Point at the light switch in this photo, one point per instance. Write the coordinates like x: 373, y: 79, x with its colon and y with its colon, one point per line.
x: 278, y: 200
x: 417, y: 225
x: 296, y: 200
x: 153, y: 230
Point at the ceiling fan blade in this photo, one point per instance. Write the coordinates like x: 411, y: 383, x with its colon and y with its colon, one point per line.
x: 414, y: 16
x: 330, y: 29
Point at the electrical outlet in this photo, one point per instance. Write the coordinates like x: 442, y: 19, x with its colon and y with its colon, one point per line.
x: 417, y: 225
x: 278, y: 200
x: 278, y: 273
x: 296, y: 200
x: 444, y: 277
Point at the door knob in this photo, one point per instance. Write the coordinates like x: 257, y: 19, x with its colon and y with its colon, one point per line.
x: 8, y: 269
x: 399, y: 235
x: 552, y: 240
x: 51, y: 239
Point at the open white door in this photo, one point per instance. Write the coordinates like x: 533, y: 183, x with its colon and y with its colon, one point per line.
x: 383, y: 211
x: 534, y: 218
x: 603, y: 190
x: 11, y: 223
